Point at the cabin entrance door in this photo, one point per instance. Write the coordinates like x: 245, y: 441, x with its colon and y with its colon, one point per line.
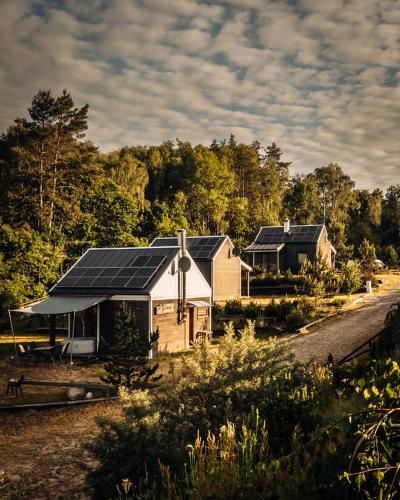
x: 191, y: 325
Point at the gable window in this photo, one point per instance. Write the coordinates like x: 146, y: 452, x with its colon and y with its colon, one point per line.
x: 301, y: 257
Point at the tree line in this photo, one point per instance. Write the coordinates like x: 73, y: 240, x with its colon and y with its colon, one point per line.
x: 59, y: 194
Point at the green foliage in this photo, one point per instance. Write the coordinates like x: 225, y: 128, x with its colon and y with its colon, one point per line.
x: 128, y: 365
x: 296, y: 313
x: 318, y: 279
x: 390, y: 256
x: 351, y: 277
x: 214, y: 386
x: 367, y: 259
x: 29, y: 264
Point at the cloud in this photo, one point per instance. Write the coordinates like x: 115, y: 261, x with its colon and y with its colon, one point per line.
x: 319, y: 78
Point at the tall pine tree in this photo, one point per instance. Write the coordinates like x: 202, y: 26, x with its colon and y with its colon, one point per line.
x: 129, y: 363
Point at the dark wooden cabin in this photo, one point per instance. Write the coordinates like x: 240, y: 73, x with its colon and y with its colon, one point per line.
x: 280, y: 248
x: 226, y: 273
x: 148, y: 280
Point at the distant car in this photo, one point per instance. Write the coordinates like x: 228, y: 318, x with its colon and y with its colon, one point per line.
x: 379, y: 264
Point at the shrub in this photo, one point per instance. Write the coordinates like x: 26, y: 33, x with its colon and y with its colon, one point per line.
x: 390, y: 256
x: 302, y: 312
x: 295, y: 320
x: 233, y: 307
x: 253, y: 310
x: 339, y: 302
x: 216, y: 385
x: 367, y: 259
x: 351, y: 277
x: 317, y: 278
x: 129, y: 354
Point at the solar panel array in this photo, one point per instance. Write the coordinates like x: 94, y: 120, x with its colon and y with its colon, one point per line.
x: 199, y: 248
x: 203, y: 248
x: 112, y: 269
x: 297, y: 234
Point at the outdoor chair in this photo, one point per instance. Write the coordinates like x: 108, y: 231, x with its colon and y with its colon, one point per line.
x: 62, y: 351
x: 23, y: 353
x: 15, y: 384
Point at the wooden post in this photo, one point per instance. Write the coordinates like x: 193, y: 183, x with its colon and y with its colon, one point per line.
x: 52, y: 324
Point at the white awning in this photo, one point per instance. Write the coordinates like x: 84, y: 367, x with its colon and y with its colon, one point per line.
x: 198, y: 303
x: 61, y: 305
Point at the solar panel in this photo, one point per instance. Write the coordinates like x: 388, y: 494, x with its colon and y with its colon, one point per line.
x: 137, y: 282
x: 128, y: 271
x: 101, y: 282
x: 146, y: 272
x: 85, y: 281
x: 116, y: 268
x: 75, y: 271
x: 67, y: 281
x: 92, y: 271
x: 119, y: 281
x: 155, y: 260
x: 139, y: 261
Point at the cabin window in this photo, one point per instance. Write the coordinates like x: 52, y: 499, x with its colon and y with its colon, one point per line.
x: 301, y: 257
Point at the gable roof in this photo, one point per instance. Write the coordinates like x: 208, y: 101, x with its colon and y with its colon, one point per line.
x: 110, y: 271
x: 199, y: 247
x: 297, y: 234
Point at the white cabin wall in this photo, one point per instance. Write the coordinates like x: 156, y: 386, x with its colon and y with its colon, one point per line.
x: 167, y: 285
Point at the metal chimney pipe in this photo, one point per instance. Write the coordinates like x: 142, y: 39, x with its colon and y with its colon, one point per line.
x: 286, y: 226
x: 182, y: 244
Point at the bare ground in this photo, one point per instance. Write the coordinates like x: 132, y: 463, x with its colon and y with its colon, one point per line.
x: 341, y: 334
x: 43, y: 453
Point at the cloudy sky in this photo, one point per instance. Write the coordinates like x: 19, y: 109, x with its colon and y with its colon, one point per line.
x: 319, y: 77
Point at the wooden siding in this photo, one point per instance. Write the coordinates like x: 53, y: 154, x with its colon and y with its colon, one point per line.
x: 173, y: 336
x: 108, y: 312
x: 227, y: 274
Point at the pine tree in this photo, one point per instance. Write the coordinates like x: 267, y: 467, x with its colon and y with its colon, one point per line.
x: 129, y: 363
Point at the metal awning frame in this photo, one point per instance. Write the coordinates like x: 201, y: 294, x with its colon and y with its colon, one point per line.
x: 27, y: 306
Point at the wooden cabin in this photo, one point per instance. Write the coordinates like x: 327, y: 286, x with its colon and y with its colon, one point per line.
x: 148, y: 280
x: 225, y: 272
x: 280, y: 248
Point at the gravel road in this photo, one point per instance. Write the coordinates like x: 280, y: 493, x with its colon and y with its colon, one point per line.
x: 343, y: 333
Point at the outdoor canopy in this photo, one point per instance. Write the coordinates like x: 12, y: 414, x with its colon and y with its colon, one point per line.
x: 61, y: 305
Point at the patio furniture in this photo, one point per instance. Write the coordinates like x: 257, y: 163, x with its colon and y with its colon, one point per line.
x: 23, y: 353
x: 61, y: 350
x: 45, y: 353
x: 14, y: 385
x: 203, y: 336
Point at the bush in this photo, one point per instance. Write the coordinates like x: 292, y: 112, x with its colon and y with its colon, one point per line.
x: 351, y: 277
x: 215, y: 385
x: 317, y: 278
x: 233, y: 307
x: 303, y: 311
x: 390, y: 256
x: 367, y: 259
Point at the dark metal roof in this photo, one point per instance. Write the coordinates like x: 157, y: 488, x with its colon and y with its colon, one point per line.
x: 116, y: 270
x: 297, y: 234
x: 271, y: 247
x: 199, y: 247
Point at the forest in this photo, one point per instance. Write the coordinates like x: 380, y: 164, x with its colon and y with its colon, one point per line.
x: 60, y: 194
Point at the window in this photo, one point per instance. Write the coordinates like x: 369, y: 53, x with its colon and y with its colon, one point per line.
x: 301, y: 257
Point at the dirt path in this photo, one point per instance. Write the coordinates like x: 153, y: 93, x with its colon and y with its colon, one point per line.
x: 43, y: 453
x: 343, y: 333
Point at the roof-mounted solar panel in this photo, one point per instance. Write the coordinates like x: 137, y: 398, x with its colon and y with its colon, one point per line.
x: 67, y: 281
x: 101, y: 282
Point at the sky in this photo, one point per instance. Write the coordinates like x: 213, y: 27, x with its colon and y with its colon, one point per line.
x: 318, y: 77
